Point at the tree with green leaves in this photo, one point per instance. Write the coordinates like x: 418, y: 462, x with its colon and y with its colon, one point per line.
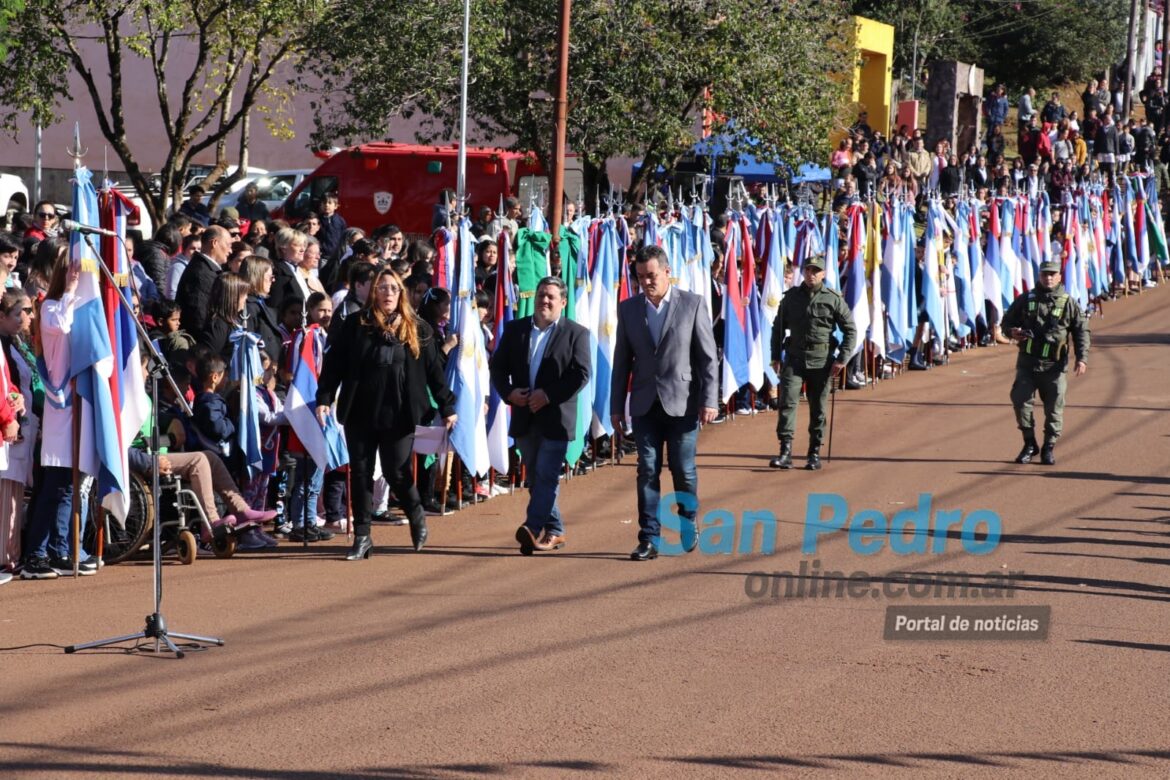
x: 641, y: 74
x: 1021, y: 43
x: 8, y: 10
x: 214, y: 63
x: 1047, y: 42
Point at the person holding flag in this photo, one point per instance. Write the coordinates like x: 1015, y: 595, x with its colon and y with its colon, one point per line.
x: 1040, y: 321
x: 803, y: 334
x: 384, y: 360
x: 540, y: 365
x: 47, y: 544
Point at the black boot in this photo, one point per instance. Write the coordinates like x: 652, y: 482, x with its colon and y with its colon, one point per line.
x: 1046, y: 455
x: 1030, y: 448
x: 814, y: 458
x: 917, y: 363
x: 784, y: 459
x: 362, y: 545
x: 418, y: 529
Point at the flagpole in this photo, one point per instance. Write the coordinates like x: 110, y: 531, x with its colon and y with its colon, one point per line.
x: 561, y: 111
x: 461, y: 168
x: 75, y: 505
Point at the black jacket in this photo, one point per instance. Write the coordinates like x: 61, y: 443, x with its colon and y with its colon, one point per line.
x: 950, y: 180
x: 348, y: 357
x: 194, y: 292
x: 348, y: 308
x: 262, y: 322
x: 155, y: 260
x: 563, y: 371
x: 217, y: 335
x: 285, y: 287
x: 1106, y: 141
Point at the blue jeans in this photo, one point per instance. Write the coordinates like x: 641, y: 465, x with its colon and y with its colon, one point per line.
x: 298, y: 502
x: 544, y: 459
x: 680, y: 435
x: 48, y: 533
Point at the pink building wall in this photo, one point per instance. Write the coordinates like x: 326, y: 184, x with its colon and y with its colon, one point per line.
x: 145, y: 133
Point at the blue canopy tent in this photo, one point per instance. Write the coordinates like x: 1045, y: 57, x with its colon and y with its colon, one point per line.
x: 720, y: 148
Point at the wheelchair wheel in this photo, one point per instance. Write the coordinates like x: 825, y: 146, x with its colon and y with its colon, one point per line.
x: 122, y: 543
x: 224, y: 545
x: 186, y: 547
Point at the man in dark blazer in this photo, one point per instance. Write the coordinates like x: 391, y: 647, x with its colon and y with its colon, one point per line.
x: 540, y: 365
x: 665, y: 342
x: 194, y: 292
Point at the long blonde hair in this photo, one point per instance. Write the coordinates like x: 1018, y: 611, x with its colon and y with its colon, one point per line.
x: 405, y: 325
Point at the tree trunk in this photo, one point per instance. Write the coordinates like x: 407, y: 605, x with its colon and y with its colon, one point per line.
x: 645, y: 173
x: 595, y: 182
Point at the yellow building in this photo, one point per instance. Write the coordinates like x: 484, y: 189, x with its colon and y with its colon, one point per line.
x: 873, y: 72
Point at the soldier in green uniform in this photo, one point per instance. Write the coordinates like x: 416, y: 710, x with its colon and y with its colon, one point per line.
x: 804, y: 331
x: 1041, y: 321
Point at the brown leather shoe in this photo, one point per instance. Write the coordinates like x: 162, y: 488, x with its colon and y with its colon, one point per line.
x: 524, y: 537
x: 549, y: 541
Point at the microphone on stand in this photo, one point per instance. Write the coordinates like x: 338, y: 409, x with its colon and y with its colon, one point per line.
x: 76, y: 227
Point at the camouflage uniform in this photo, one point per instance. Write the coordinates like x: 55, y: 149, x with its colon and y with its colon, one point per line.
x: 809, y: 315
x: 1049, y: 316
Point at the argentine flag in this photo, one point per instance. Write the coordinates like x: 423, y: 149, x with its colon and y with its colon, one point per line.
x: 467, y: 373
x: 102, y: 452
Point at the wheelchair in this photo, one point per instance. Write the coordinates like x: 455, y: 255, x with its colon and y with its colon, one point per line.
x: 183, y: 520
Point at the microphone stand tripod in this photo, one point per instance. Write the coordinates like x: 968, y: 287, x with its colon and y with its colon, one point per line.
x: 156, y: 624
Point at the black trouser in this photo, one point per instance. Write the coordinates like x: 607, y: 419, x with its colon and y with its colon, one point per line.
x: 396, y: 449
x: 334, y: 495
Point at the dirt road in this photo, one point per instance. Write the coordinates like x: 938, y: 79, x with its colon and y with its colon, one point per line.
x: 470, y: 660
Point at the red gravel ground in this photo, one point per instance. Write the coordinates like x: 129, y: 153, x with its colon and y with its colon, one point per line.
x: 469, y: 660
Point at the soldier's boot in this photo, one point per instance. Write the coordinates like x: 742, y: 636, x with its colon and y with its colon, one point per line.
x: 814, y: 458
x: 1046, y: 455
x: 1030, y: 448
x: 917, y: 362
x: 784, y: 459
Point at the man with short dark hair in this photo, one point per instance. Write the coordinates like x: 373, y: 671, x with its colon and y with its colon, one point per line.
x: 997, y: 107
x: 804, y: 352
x: 1041, y: 321
x: 249, y: 206
x: 191, y: 245
x: 540, y: 365
x: 194, y: 292
x: 1053, y: 111
x: 194, y: 208
x: 665, y: 343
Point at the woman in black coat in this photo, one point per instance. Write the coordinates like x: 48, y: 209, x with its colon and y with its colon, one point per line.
x: 229, y: 294
x: 261, y: 319
x: 384, y: 359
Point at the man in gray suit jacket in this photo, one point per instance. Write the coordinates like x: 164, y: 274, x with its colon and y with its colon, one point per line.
x: 665, y: 341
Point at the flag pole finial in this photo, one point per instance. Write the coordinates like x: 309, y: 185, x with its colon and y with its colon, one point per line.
x: 76, y: 152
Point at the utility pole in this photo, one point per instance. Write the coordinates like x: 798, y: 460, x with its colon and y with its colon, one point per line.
x: 461, y: 159
x: 561, y: 114
x: 1165, y: 42
x: 1130, y: 58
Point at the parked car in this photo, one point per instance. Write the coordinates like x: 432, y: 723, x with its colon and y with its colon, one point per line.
x: 273, y: 187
